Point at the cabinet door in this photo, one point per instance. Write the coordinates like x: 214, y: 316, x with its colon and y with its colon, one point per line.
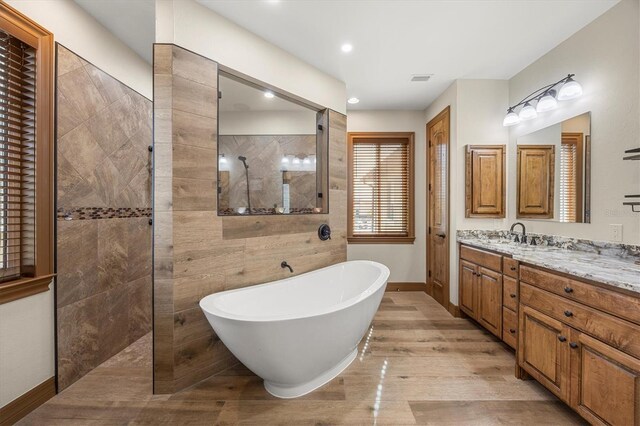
x: 605, y: 383
x: 536, y: 165
x: 490, y: 300
x: 468, y: 288
x: 485, y: 188
x: 543, y: 350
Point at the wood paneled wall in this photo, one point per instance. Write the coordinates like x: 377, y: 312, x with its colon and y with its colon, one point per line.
x: 196, y: 252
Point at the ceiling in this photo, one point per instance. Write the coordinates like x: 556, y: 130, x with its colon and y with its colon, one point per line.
x: 392, y: 39
x: 240, y: 97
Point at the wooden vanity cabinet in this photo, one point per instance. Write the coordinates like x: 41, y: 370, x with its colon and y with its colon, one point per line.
x: 485, y: 181
x: 481, y: 292
x: 582, y: 349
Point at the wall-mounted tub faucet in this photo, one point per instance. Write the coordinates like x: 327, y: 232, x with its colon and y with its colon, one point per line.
x: 284, y: 264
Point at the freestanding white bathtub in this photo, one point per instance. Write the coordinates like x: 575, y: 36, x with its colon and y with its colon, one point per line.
x: 300, y: 332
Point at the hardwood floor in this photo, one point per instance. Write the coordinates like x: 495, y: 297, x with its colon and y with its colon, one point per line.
x: 418, y: 365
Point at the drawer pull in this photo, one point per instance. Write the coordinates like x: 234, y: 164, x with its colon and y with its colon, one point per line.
x: 513, y: 296
x: 568, y: 290
x: 512, y: 330
x: 573, y: 345
x: 568, y: 313
x: 513, y: 268
x: 562, y: 338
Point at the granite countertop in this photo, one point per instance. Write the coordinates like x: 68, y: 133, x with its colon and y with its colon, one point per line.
x: 618, y: 271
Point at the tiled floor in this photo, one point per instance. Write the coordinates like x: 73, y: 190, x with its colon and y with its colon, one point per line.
x: 418, y: 365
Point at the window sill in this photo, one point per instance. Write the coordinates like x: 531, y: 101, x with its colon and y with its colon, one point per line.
x: 24, y: 287
x: 380, y: 240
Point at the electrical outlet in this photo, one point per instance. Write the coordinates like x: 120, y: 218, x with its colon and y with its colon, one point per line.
x: 616, y: 232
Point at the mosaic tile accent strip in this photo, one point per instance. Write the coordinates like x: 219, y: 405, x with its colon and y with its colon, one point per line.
x: 267, y: 211
x: 91, y: 213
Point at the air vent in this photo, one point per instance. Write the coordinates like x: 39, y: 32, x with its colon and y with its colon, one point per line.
x: 421, y: 77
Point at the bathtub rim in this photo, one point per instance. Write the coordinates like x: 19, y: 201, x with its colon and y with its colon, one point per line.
x: 368, y: 292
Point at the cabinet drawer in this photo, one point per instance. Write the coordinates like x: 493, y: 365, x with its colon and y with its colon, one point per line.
x: 509, y: 293
x: 618, y: 304
x: 482, y: 258
x: 614, y: 331
x: 510, y: 267
x: 509, y: 327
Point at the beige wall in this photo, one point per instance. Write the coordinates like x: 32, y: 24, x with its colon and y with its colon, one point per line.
x: 197, y: 28
x: 605, y: 58
x: 406, y: 261
x: 26, y: 345
x: 81, y: 33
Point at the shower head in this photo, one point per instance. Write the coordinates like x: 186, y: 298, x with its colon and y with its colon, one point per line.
x: 244, y: 161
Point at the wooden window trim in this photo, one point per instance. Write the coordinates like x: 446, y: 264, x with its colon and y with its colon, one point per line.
x: 29, y: 32
x: 375, y: 239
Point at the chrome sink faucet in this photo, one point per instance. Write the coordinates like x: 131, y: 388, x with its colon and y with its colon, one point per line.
x: 522, y: 240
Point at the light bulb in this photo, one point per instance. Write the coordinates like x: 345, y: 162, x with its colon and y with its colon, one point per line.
x: 223, y: 160
x: 285, y: 160
x: 547, y: 102
x: 511, y: 118
x: 346, y: 48
x: 527, y: 112
x: 571, y: 89
x: 296, y: 160
x: 353, y: 101
x: 306, y: 160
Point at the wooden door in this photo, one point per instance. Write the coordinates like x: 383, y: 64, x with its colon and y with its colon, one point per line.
x: 536, y: 169
x: 490, y: 300
x: 605, y: 383
x: 543, y: 350
x: 485, y: 181
x: 438, y: 208
x: 468, y: 288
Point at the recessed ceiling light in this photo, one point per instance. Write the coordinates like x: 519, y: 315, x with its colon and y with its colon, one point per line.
x: 268, y: 95
x: 347, y: 47
x: 353, y: 101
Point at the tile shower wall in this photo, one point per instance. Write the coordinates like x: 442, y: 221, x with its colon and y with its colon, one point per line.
x: 103, y: 287
x: 197, y: 252
x: 264, y: 156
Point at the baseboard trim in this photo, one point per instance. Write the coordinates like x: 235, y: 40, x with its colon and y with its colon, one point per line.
x: 407, y: 286
x: 455, y: 310
x: 24, y: 404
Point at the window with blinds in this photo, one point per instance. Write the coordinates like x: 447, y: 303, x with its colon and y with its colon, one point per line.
x: 570, y: 190
x: 17, y: 158
x: 381, y: 189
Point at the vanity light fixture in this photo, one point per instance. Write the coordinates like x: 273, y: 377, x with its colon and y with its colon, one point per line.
x: 306, y: 160
x: 296, y: 160
x: 353, y: 101
x: 222, y: 159
x: 285, y: 160
x: 346, y: 48
x: 545, y: 99
x: 269, y: 95
x: 547, y: 102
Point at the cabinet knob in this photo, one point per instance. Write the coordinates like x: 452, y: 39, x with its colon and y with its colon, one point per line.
x: 573, y: 345
x: 562, y: 338
x: 568, y: 313
x: 512, y: 330
x: 513, y: 296
x: 568, y: 290
x: 513, y: 268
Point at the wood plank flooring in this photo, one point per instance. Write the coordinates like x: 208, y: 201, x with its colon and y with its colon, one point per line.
x: 418, y: 365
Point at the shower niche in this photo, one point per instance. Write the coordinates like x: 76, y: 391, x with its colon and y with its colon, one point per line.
x: 272, y: 151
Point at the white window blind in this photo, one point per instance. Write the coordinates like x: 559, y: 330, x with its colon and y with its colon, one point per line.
x: 380, y: 191
x: 17, y: 158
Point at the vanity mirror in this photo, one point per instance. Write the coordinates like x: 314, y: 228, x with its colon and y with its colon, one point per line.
x: 554, y: 172
x: 272, y: 152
